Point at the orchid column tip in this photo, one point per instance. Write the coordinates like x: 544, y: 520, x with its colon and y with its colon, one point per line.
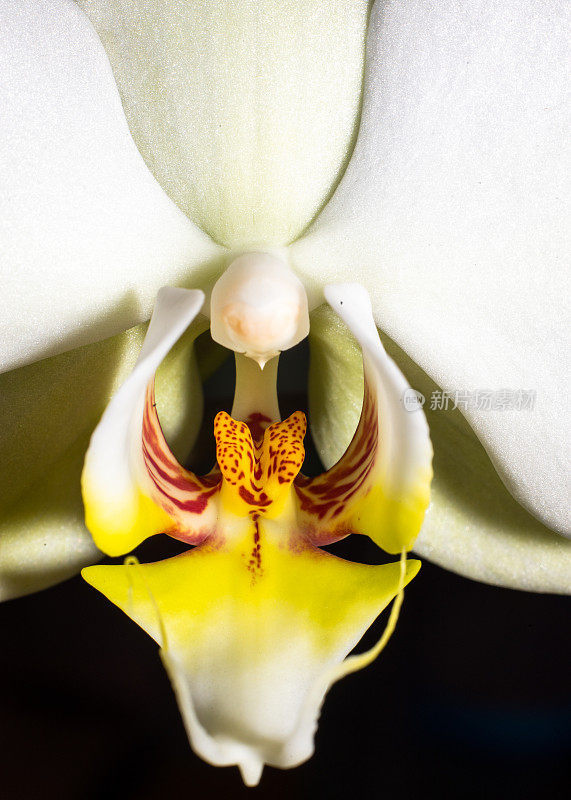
x: 259, y: 307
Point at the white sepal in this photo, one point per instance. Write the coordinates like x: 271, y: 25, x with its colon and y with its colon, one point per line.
x: 88, y: 236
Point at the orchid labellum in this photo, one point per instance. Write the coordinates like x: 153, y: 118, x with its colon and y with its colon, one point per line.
x: 285, y: 169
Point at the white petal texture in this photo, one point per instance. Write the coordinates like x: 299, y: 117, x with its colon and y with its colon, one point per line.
x: 87, y: 235
x: 245, y: 110
x: 473, y: 526
x: 451, y: 214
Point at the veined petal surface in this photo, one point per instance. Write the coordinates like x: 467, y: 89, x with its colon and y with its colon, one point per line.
x: 473, y: 526
x: 381, y: 485
x: 133, y: 486
x: 451, y: 213
x: 88, y: 236
x: 251, y: 658
x: 244, y: 111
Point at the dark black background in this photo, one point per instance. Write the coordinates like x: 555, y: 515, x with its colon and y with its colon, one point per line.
x: 471, y: 699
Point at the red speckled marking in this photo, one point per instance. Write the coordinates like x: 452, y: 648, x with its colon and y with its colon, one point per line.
x: 255, y: 562
x: 179, y: 492
x: 259, y: 472
x: 283, y: 451
x: 324, y: 498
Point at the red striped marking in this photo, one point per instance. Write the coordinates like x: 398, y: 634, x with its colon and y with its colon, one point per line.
x: 182, y: 494
x: 322, y: 499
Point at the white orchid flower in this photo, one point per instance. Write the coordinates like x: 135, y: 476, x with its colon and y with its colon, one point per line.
x: 270, y: 154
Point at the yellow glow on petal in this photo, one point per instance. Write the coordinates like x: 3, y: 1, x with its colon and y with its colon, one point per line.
x: 393, y: 522
x: 255, y: 623
x: 211, y: 592
x: 378, y: 482
x: 251, y: 653
x: 119, y: 528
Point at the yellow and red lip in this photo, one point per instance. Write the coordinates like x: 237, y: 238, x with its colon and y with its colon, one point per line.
x: 256, y: 621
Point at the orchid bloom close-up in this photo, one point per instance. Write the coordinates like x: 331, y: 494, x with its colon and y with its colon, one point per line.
x: 383, y: 179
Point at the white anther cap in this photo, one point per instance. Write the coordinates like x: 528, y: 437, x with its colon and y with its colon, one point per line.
x: 259, y: 307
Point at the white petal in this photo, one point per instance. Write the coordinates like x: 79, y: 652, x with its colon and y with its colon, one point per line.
x: 245, y: 111
x: 132, y: 484
x: 380, y: 486
x: 451, y: 214
x: 473, y: 526
x: 87, y: 234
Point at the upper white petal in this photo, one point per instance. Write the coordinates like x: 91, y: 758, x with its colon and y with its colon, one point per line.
x: 87, y: 235
x: 244, y: 111
x: 451, y: 213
